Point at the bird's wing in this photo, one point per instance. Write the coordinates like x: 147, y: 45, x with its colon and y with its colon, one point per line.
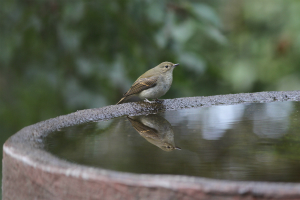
x: 140, y: 85
x: 142, y: 129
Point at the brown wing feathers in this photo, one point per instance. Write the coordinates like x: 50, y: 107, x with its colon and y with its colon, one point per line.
x: 142, y: 129
x: 139, y: 86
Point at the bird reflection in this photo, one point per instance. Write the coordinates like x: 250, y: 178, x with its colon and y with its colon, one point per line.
x: 155, y: 129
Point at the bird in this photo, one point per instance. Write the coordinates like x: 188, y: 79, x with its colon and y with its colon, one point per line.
x: 155, y: 129
x: 153, y: 84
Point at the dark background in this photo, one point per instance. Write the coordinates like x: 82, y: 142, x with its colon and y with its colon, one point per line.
x: 57, y: 57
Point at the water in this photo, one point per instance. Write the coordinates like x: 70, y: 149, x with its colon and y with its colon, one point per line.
x: 257, y: 141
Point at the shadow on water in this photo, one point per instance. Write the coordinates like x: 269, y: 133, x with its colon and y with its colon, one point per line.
x: 256, y: 141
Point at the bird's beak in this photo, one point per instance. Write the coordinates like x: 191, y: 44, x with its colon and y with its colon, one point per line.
x: 178, y: 148
x: 175, y: 65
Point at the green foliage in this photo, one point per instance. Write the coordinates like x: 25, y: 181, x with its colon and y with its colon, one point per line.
x: 67, y: 55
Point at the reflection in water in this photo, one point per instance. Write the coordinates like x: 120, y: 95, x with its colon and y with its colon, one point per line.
x: 224, y: 115
x: 269, y: 120
x: 155, y: 129
x: 255, y: 141
x: 272, y: 120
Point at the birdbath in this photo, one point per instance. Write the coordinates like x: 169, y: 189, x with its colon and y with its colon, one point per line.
x: 237, y: 146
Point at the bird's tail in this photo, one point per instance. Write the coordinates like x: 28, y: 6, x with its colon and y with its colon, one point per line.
x: 121, y: 101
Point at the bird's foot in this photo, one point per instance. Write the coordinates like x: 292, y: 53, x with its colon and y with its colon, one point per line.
x: 158, y: 101
x: 147, y: 101
x: 155, y: 101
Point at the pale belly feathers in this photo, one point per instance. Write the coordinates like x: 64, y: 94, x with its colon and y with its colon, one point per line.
x: 159, y: 90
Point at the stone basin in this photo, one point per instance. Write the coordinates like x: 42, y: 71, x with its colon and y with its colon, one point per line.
x: 32, y: 172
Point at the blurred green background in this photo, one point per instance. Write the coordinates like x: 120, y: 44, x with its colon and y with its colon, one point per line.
x: 57, y: 57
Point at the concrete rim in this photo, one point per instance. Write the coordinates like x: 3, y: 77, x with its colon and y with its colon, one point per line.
x: 26, y: 146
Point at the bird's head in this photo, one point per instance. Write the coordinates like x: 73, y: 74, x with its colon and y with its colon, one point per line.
x: 166, y: 66
x: 168, y: 147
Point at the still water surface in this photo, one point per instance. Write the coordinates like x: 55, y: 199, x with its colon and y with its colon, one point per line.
x: 257, y: 141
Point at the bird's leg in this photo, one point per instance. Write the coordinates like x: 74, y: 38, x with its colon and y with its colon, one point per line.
x: 155, y: 101
x: 146, y: 100
x: 158, y: 101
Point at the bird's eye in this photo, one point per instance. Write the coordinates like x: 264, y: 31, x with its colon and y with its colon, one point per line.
x: 166, y: 66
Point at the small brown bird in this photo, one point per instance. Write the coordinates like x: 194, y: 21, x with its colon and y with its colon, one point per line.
x: 153, y: 84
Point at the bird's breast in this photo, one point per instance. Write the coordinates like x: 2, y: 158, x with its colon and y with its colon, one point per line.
x: 161, y: 88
